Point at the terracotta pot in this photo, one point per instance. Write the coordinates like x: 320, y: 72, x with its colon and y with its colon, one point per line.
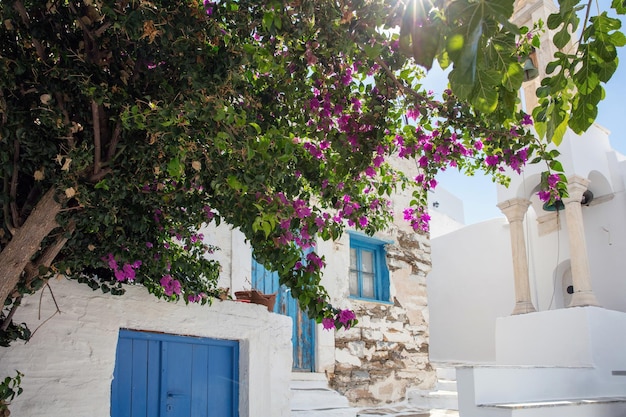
x: 243, y: 295
x: 257, y: 297
x: 267, y: 300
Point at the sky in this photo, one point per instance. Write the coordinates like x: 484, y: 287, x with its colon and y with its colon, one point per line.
x: 479, y: 192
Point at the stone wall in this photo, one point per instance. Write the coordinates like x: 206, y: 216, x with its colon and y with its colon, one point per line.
x: 387, y: 353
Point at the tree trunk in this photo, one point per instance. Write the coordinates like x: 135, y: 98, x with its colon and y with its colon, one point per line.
x: 26, y: 241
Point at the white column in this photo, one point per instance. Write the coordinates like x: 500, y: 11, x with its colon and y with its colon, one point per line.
x: 515, y: 210
x: 583, y: 295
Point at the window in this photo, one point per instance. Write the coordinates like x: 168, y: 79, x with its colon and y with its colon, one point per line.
x: 369, y: 276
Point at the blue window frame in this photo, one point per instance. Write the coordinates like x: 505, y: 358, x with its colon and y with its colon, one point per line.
x: 369, y: 275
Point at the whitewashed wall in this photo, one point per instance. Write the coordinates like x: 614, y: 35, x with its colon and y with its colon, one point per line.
x: 68, y: 364
x: 469, y: 286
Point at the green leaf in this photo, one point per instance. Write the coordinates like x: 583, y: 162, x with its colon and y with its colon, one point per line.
x: 559, y: 132
x: 585, y: 110
x: 619, y: 6
x: 420, y: 37
x: 425, y: 47
x: 175, y: 168
x: 585, y: 79
x: 234, y: 183
x: 485, y: 93
x: 466, y: 63
x: 256, y: 127
x: 102, y: 185
x: 561, y: 38
x: 556, y: 166
x: 606, y: 70
x: 513, y: 77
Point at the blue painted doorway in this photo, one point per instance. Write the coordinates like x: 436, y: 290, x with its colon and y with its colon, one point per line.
x: 303, y: 328
x: 162, y: 375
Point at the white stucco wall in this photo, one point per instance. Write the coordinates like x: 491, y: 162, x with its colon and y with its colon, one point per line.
x: 569, y: 337
x: 68, y: 364
x: 446, y: 212
x: 470, y: 265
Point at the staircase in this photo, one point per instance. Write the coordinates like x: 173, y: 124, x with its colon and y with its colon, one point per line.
x: 311, y: 397
x: 526, y: 391
x: 444, y: 397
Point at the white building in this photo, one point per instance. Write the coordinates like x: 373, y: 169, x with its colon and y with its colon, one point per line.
x: 131, y: 355
x: 532, y: 307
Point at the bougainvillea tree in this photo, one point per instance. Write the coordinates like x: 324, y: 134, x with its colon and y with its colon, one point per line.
x: 125, y: 125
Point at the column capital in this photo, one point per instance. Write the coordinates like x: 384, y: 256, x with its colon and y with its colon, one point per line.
x: 514, y: 209
x: 576, y: 186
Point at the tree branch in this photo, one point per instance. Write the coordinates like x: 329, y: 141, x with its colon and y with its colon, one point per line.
x: 34, y: 193
x: 582, y: 31
x: 402, y: 87
x: 95, y: 115
x: 103, y: 173
x: 21, y: 10
x: 66, y: 117
x: 13, y: 189
x: 49, y: 255
x: 9, y: 317
x: 58, y: 310
x: 102, y: 29
x: 26, y: 240
x: 80, y: 22
x: 6, y: 210
x: 3, y: 108
x: 117, y: 133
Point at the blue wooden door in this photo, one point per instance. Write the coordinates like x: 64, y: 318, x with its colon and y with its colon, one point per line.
x: 159, y: 375
x: 303, y: 329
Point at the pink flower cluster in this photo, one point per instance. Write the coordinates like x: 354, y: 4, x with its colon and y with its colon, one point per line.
x: 419, y: 219
x: 345, y: 317
x: 196, y: 298
x: 126, y: 272
x: 551, y: 192
x: 313, y: 263
x: 170, y: 285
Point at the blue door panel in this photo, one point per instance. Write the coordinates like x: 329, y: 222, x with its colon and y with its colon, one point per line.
x: 123, y: 371
x: 303, y: 328
x: 159, y: 375
x: 139, y: 370
x: 154, y: 378
x: 176, y: 374
x: 200, y: 381
x: 221, y: 385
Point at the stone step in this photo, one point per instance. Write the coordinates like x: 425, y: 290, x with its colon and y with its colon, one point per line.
x: 440, y: 399
x: 446, y: 373
x: 311, y: 397
x: 309, y: 384
x: 591, y: 407
x: 342, y: 412
x: 446, y: 385
x: 404, y: 410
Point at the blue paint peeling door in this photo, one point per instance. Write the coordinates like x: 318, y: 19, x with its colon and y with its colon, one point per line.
x: 303, y: 329
x: 160, y: 375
